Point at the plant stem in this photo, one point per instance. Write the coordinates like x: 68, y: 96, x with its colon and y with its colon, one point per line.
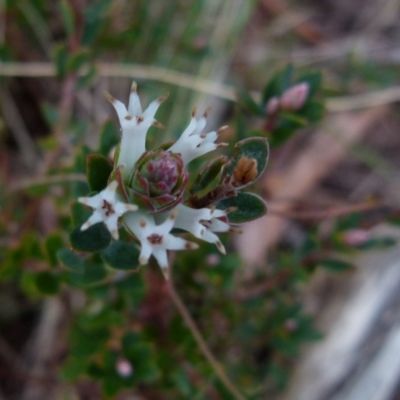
x: 47, y: 180
x: 219, y: 371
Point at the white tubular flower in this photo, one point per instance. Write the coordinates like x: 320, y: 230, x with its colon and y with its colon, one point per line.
x: 202, y: 223
x: 193, y: 143
x: 106, y: 208
x: 134, y: 124
x: 156, y: 239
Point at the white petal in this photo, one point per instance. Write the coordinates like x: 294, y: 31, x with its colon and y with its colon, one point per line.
x: 160, y: 254
x: 145, y: 252
x: 93, y: 202
x: 151, y: 110
x: 190, y: 128
x: 213, y: 238
x: 216, y: 225
x: 201, y: 123
x: 189, y: 220
x: 112, y: 225
x: 94, y: 219
x: 122, y: 208
x: 134, y: 106
x: 108, y: 193
x: 120, y: 109
x: 176, y: 243
x: 211, y: 137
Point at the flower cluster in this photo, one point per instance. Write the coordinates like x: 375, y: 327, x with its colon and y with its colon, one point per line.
x: 146, y: 188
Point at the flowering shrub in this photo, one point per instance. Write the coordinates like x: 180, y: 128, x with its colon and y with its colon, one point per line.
x: 147, y: 189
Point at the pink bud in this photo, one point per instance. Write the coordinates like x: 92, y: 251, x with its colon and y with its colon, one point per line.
x: 272, y: 106
x: 213, y: 260
x: 124, y: 368
x: 356, y: 237
x: 291, y: 325
x: 295, y: 97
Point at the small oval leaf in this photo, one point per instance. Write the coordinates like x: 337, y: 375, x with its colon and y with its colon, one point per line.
x: 121, y: 255
x: 109, y: 138
x: 98, y: 170
x: 335, y: 265
x: 208, y: 174
x: 47, y: 283
x: 95, y: 238
x: 70, y: 259
x: 249, y: 206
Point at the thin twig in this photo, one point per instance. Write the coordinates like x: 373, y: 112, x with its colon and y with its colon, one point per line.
x: 21, y: 134
x: 219, y: 371
x: 226, y: 92
x: 330, y: 212
x: 46, y: 180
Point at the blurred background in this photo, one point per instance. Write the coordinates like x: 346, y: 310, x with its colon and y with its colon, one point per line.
x: 304, y: 306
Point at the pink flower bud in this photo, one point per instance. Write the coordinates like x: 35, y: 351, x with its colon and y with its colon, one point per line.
x: 356, y: 237
x: 124, y: 368
x: 158, y: 180
x: 272, y: 106
x: 291, y: 325
x: 213, y: 260
x: 295, y: 97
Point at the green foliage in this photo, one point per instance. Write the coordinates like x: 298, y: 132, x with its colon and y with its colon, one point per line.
x: 95, y: 238
x: 121, y: 255
x: 71, y: 260
x: 98, y: 171
x: 109, y: 138
x: 247, y: 207
x: 53, y: 244
x: 281, y: 122
x: 124, y: 318
x: 335, y: 265
x: 208, y: 174
x: 47, y: 283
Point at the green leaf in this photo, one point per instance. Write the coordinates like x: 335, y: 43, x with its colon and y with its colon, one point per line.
x: 78, y: 60
x: 54, y: 242
x: 335, y: 265
x: 280, y: 81
x: 288, y: 124
x: 93, y: 273
x: 109, y: 138
x: 70, y: 259
x: 121, y: 255
x: 61, y: 61
x: 208, y: 174
x: 98, y: 171
x: 84, y: 81
x: 378, y: 243
x: 95, y: 238
x: 72, y: 369
x: 250, y: 104
x: 67, y: 16
x: 47, y: 283
x: 255, y: 148
x: 313, y: 111
x: 249, y: 207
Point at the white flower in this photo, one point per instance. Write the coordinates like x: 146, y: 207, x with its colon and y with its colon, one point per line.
x: 202, y: 223
x: 193, y: 143
x: 134, y: 124
x: 153, y: 231
x: 107, y: 208
x: 156, y: 239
